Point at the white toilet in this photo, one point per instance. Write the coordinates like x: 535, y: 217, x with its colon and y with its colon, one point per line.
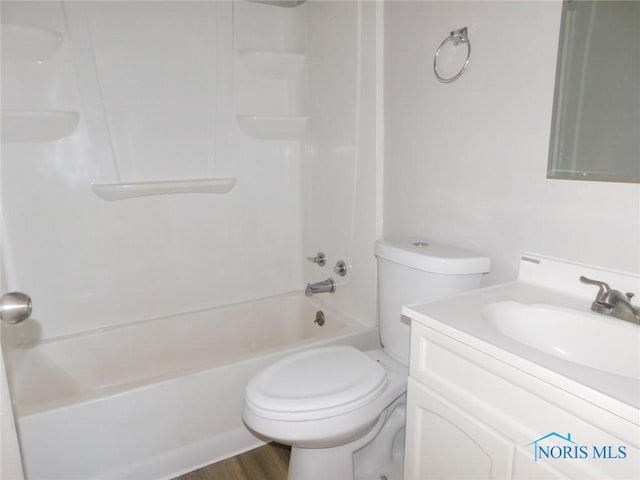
x: 343, y: 410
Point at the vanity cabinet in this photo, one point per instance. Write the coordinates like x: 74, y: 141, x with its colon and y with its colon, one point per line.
x: 471, y: 415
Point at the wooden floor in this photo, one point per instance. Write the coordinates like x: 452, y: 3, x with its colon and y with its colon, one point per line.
x: 269, y: 462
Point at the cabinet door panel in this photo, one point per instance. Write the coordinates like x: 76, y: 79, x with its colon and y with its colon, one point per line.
x: 524, y: 468
x: 445, y: 442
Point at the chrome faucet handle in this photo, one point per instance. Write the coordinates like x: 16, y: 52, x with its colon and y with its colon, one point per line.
x: 320, y: 259
x: 598, y: 283
x: 340, y: 268
x: 603, y: 287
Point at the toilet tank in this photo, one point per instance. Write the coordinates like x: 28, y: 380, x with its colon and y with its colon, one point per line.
x: 414, y: 271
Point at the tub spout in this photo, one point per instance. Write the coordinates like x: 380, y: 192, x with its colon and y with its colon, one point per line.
x: 326, y: 286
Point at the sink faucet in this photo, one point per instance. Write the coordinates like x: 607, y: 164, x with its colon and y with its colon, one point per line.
x: 613, y: 302
x: 326, y: 286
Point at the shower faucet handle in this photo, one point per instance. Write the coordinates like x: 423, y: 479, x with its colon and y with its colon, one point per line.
x: 320, y: 259
x: 340, y: 268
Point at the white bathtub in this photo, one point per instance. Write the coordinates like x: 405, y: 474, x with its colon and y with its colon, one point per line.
x: 161, y: 397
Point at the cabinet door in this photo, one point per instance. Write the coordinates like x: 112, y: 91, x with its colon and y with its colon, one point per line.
x: 445, y: 442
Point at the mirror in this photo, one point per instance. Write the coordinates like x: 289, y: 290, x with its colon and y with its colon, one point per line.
x: 595, y: 132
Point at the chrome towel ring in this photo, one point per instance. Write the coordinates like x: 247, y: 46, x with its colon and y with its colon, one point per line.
x: 458, y: 37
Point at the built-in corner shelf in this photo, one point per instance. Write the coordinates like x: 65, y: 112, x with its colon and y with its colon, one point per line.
x: 29, y: 44
x: 122, y: 191
x: 273, y: 127
x: 280, y: 3
x: 40, y: 126
x: 278, y: 65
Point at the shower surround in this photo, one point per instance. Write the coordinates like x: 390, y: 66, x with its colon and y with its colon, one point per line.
x: 161, y: 158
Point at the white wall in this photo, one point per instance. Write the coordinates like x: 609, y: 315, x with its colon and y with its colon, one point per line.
x: 340, y: 168
x: 465, y: 163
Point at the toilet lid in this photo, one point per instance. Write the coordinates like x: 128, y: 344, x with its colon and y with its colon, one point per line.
x: 328, y: 381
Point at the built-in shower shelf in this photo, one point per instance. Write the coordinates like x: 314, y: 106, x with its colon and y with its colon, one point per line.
x: 122, y: 191
x: 29, y: 44
x: 279, y: 65
x: 280, y: 3
x: 40, y: 126
x: 273, y: 127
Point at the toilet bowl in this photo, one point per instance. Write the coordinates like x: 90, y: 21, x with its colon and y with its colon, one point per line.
x: 331, y: 396
x: 326, y: 403
x: 340, y: 409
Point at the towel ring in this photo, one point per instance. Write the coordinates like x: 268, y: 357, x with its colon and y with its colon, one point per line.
x: 457, y: 37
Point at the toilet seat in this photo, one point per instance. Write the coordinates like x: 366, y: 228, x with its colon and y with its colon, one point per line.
x: 316, y: 383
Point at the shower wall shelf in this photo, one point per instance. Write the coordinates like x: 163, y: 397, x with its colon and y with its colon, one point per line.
x: 280, y: 3
x: 273, y: 127
x: 278, y: 65
x: 122, y: 191
x: 29, y: 44
x: 38, y: 126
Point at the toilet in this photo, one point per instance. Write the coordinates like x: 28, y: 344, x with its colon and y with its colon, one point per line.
x: 343, y: 410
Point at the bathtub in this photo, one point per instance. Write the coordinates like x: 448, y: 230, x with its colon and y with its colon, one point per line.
x: 161, y: 397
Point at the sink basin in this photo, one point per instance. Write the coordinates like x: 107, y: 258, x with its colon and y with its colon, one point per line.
x: 585, y: 338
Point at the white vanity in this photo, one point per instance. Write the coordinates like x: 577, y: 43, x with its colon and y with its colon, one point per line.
x: 522, y: 380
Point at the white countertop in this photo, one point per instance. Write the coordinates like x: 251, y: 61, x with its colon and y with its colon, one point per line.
x: 462, y: 318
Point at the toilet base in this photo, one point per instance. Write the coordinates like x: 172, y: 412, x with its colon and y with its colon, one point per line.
x: 334, y: 463
x: 383, y: 458
x: 337, y: 463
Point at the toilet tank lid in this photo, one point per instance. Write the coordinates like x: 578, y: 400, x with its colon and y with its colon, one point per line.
x: 431, y: 257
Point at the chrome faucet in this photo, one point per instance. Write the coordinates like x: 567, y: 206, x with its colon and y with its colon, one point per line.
x: 326, y: 286
x: 613, y: 302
